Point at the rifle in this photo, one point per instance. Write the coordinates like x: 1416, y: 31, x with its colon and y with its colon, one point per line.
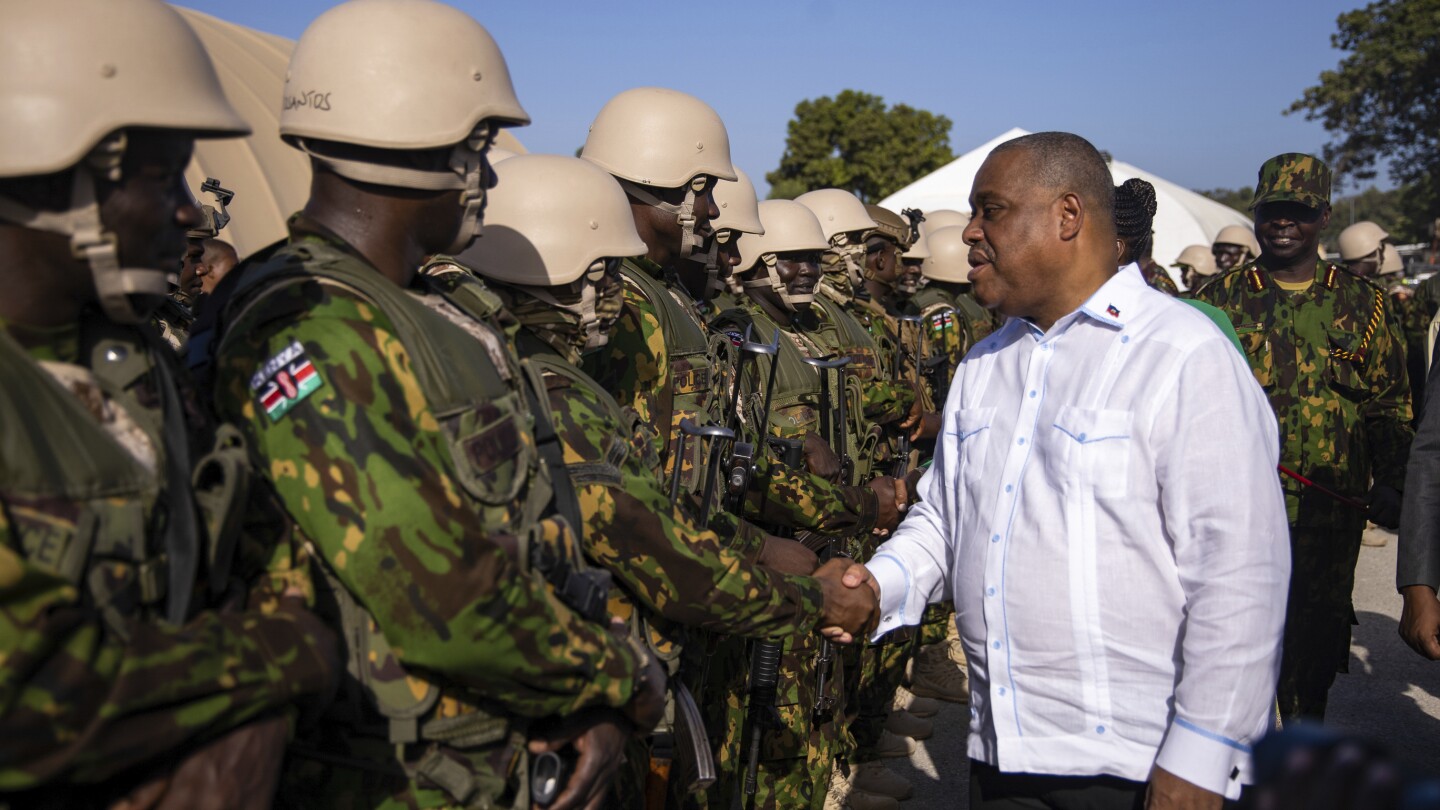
x: 741, y: 467
x: 901, y: 465
x: 833, y: 426
x: 686, y: 743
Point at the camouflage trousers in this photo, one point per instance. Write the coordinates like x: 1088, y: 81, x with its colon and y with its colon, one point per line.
x: 797, y: 748
x: 882, y: 670
x: 936, y: 623
x: 1318, y: 616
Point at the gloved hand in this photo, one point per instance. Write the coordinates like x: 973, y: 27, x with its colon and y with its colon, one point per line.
x: 1384, y: 506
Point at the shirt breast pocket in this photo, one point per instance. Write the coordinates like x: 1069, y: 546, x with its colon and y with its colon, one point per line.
x: 972, y: 439
x: 1090, y: 448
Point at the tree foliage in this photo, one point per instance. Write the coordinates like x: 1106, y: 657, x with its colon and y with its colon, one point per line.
x: 1380, y: 103
x: 853, y: 141
x: 1237, y: 198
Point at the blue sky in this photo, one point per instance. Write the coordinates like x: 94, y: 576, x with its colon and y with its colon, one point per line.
x: 1191, y: 91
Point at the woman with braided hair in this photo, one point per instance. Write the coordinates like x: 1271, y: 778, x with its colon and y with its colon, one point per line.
x: 1134, y: 217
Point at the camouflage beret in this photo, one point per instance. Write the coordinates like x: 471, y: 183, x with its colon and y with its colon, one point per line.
x: 1293, y: 176
x: 889, y: 225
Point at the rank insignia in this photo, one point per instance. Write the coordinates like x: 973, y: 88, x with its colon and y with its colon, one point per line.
x: 284, y: 380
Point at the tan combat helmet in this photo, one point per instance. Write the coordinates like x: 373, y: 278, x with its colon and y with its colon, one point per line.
x: 403, y: 76
x: 949, y: 260
x: 842, y: 218
x: 789, y: 228
x: 738, y: 205
x: 1241, y: 235
x: 80, y: 73
x: 549, y: 221
x: 1199, y: 259
x: 919, y: 249
x: 1390, y: 262
x: 1361, y: 241
x: 944, y: 218
x: 651, y: 137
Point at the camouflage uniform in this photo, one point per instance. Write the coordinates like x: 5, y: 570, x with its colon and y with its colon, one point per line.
x: 800, y: 745
x: 173, y: 320
x: 1332, y: 363
x: 639, y: 368
x: 424, y: 502
x: 113, y: 654
x: 1157, y: 278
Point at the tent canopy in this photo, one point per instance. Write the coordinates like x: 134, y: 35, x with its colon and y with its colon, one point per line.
x: 271, y: 180
x: 1182, y: 217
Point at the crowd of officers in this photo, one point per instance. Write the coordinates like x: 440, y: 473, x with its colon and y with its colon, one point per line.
x: 389, y: 515
x: 392, y: 515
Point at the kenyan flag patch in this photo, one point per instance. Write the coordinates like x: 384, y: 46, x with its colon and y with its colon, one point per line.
x: 284, y: 380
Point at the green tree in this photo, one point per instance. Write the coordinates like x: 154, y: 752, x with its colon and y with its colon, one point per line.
x: 853, y: 141
x: 1380, y: 103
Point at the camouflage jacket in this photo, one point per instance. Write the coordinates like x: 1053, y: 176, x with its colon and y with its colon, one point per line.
x: 1331, y: 360
x: 95, y: 679
x: 661, y: 561
x: 410, y: 522
x: 946, y: 335
x: 1157, y: 278
x: 637, y: 369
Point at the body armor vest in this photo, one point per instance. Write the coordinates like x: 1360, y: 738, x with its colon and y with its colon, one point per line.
x: 111, y: 510
x: 478, y: 393
x: 700, y: 365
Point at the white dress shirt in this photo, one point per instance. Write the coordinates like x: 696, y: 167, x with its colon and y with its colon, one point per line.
x: 1104, y: 510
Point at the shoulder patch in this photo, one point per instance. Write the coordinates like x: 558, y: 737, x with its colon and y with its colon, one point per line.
x: 736, y: 338
x: 284, y: 380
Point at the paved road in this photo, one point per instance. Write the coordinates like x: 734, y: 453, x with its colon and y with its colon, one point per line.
x: 1390, y: 695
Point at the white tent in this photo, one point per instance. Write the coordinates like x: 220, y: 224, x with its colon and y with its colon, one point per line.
x: 270, y: 180
x: 1182, y: 217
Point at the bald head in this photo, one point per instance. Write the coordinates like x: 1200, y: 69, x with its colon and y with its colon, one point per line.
x: 218, y: 259
x: 1065, y: 162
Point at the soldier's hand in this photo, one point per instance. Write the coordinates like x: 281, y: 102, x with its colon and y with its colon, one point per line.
x: 598, y: 737
x: 850, y: 611
x: 1384, y: 506
x: 1420, y: 620
x: 925, y: 427
x: 787, y: 556
x: 820, y: 458
x: 238, y: 771
x: 890, y: 500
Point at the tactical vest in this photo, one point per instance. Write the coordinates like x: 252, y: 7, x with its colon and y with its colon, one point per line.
x: 83, y: 507
x: 699, y: 363
x: 839, y: 331
x: 794, y: 403
x: 478, y: 393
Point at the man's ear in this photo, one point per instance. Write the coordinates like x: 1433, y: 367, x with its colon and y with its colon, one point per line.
x: 1072, y: 215
x: 1325, y: 218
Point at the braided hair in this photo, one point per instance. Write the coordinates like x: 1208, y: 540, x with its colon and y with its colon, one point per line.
x: 1134, y: 218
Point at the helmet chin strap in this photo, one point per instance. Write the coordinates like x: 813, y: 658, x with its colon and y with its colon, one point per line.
x: 853, y: 256
x: 772, y: 280
x: 466, y: 174
x: 119, y: 289
x: 690, y: 241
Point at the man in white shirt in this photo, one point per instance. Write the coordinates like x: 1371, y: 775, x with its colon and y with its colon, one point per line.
x: 1121, y: 612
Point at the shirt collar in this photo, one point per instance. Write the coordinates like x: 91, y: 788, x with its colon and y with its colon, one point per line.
x: 1118, y: 299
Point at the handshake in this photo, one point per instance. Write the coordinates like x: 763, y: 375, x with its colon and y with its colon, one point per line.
x: 852, y: 600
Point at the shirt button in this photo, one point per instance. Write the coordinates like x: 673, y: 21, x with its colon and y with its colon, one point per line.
x: 1008, y: 487
x: 989, y: 591
x: 1020, y: 440
x: 1032, y: 394
x: 1081, y: 437
x: 995, y: 538
x: 1099, y: 729
x: 1124, y: 338
x: 995, y: 644
x: 1002, y: 691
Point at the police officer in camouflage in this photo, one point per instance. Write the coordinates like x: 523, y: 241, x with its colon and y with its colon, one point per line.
x: 557, y: 230
x: 396, y: 426
x: 1323, y: 345
x: 154, y: 642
